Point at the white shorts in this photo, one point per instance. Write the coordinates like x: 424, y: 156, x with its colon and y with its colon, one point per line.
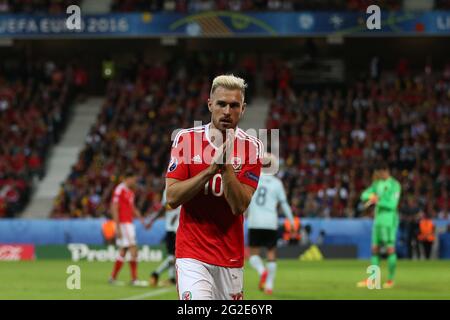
x: 128, y: 235
x: 197, y: 280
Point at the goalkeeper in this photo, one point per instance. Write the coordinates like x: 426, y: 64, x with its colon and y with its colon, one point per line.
x: 384, y: 193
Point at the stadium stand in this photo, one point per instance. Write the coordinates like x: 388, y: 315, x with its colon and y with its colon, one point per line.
x: 36, y: 6
x: 35, y: 101
x: 334, y: 137
x: 247, y: 5
x: 183, y: 6
x: 442, y: 4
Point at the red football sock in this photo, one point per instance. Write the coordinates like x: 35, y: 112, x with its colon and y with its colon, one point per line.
x: 117, y: 267
x: 133, y: 267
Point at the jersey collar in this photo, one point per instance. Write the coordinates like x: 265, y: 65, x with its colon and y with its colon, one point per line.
x: 207, y: 127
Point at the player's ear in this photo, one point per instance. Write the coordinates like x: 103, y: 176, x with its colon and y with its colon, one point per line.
x: 244, y: 105
x: 209, y: 104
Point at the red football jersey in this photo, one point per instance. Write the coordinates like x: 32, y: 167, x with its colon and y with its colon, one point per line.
x: 125, y: 198
x: 208, y: 231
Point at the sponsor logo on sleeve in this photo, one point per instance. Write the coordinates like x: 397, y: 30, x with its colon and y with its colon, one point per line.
x: 252, y: 176
x: 173, y: 164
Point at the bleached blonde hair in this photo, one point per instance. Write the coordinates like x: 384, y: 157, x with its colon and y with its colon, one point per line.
x: 230, y: 82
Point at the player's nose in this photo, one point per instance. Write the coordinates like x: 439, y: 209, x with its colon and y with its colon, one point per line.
x: 227, y: 110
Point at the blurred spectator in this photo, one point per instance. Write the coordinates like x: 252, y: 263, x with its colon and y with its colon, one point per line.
x: 59, y: 6
x: 292, y: 237
x: 35, y: 100
x: 306, y: 235
x: 442, y: 4
x: 409, y: 223
x: 426, y: 235
x: 402, y: 68
x: 321, y: 238
x: 247, y: 5
x: 80, y: 80
x: 331, y: 140
x: 4, y: 6
x: 374, y: 68
x: 36, y: 6
x: 109, y: 231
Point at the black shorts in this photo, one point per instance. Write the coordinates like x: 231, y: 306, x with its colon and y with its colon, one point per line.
x: 262, y: 238
x: 170, y: 242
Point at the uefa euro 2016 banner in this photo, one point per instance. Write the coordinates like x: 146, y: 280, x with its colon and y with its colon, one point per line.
x: 226, y: 23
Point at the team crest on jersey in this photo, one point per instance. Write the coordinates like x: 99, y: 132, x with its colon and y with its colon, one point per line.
x: 237, y: 296
x: 173, y: 164
x: 236, y: 162
x: 187, y: 295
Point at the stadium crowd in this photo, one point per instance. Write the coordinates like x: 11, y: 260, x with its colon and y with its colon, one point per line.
x: 333, y: 138
x: 183, y: 6
x: 442, y: 5
x: 248, y: 5
x: 35, y: 101
x: 36, y: 6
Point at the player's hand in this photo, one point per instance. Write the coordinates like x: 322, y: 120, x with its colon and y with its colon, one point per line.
x: 224, y: 153
x: 227, y: 149
x: 373, y: 198
x: 151, y: 220
x: 119, y: 233
x: 229, y: 146
x: 218, y: 160
x: 148, y: 225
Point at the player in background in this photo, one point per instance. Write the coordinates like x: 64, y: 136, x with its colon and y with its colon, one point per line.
x: 172, y: 220
x: 123, y: 211
x: 263, y: 222
x: 384, y: 193
x: 213, y: 172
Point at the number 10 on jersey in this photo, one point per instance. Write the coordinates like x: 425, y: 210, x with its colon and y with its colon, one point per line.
x: 217, y: 187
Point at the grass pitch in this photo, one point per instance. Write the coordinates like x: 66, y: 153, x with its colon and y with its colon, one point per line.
x: 331, y: 279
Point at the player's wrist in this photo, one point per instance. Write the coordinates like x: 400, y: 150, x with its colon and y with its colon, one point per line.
x: 227, y: 168
x: 211, y: 171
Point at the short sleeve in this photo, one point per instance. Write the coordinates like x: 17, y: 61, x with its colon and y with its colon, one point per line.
x: 250, y: 175
x: 177, y: 168
x: 251, y: 169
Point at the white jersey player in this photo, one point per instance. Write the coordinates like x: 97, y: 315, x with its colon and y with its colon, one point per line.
x: 263, y: 222
x: 172, y: 220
